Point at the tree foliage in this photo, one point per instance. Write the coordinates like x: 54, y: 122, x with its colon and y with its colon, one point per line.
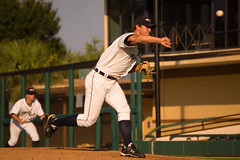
x: 30, y: 18
x: 25, y: 54
x: 28, y: 40
x: 92, y: 50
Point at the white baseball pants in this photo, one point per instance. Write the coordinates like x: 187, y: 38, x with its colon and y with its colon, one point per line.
x: 98, y: 90
x: 16, y: 128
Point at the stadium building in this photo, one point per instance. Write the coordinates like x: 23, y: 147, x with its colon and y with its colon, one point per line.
x: 194, y: 89
x: 199, y: 76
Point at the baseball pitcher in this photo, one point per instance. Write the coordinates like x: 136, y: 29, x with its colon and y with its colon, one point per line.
x: 101, y: 84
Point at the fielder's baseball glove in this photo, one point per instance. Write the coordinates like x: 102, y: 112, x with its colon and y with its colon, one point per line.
x: 145, y: 67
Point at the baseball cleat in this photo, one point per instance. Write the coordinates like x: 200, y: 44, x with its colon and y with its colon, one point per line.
x: 131, y: 151
x: 48, y: 129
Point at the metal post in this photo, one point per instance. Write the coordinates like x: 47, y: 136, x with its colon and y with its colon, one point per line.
x: 114, y: 134
x: 226, y: 23
x: 157, y: 79
x: 238, y: 23
x: 23, y: 95
x: 70, y: 105
x: 98, y: 133
x: 114, y: 128
x: 132, y: 105
x: 2, y: 110
x: 23, y: 85
x: 212, y: 24
x: 47, y: 101
x: 139, y: 104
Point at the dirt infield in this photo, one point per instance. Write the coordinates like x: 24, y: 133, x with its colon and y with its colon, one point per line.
x: 25, y: 153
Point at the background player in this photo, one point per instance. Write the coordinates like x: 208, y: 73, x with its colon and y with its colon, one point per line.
x: 101, y: 84
x: 22, y: 114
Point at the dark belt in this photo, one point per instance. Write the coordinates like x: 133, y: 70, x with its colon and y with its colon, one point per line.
x: 103, y: 74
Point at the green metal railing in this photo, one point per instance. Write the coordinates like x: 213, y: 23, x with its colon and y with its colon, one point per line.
x: 212, y: 145
x: 114, y: 128
x: 136, y: 109
x: 149, y: 135
x: 205, y: 123
x: 47, y: 100
x: 210, y: 136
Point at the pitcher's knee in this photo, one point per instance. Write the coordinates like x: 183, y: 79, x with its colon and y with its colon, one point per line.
x: 82, y: 121
x: 35, y: 137
x: 123, y: 116
x: 12, y: 142
x: 85, y: 123
x: 123, y: 112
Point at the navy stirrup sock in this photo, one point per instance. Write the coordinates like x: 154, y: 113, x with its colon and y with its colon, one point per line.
x: 66, y: 121
x: 35, y: 143
x: 125, y: 129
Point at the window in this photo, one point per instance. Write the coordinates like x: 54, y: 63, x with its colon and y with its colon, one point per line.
x: 122, y: 14
x: 191, y: 24
x: 226, y: 23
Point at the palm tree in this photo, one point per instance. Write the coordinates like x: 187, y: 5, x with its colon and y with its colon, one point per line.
x: 25, y: 54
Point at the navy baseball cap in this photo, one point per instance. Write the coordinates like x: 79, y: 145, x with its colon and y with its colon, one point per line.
x: 30, y: 91
x: 144, y: 20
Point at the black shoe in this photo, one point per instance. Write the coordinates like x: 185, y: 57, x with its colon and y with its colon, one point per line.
x: 131, y: 151
x: 48, y: 129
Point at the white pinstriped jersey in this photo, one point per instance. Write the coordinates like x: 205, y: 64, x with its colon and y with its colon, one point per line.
x: 25, y: 112
x: 118, y: 59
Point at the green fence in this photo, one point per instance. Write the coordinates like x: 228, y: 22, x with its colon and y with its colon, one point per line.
x: 212, y: 145
x: 135, y: 114
x: 229, y: 145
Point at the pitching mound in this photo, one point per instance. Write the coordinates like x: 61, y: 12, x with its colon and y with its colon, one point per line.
x: 24, y: 153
